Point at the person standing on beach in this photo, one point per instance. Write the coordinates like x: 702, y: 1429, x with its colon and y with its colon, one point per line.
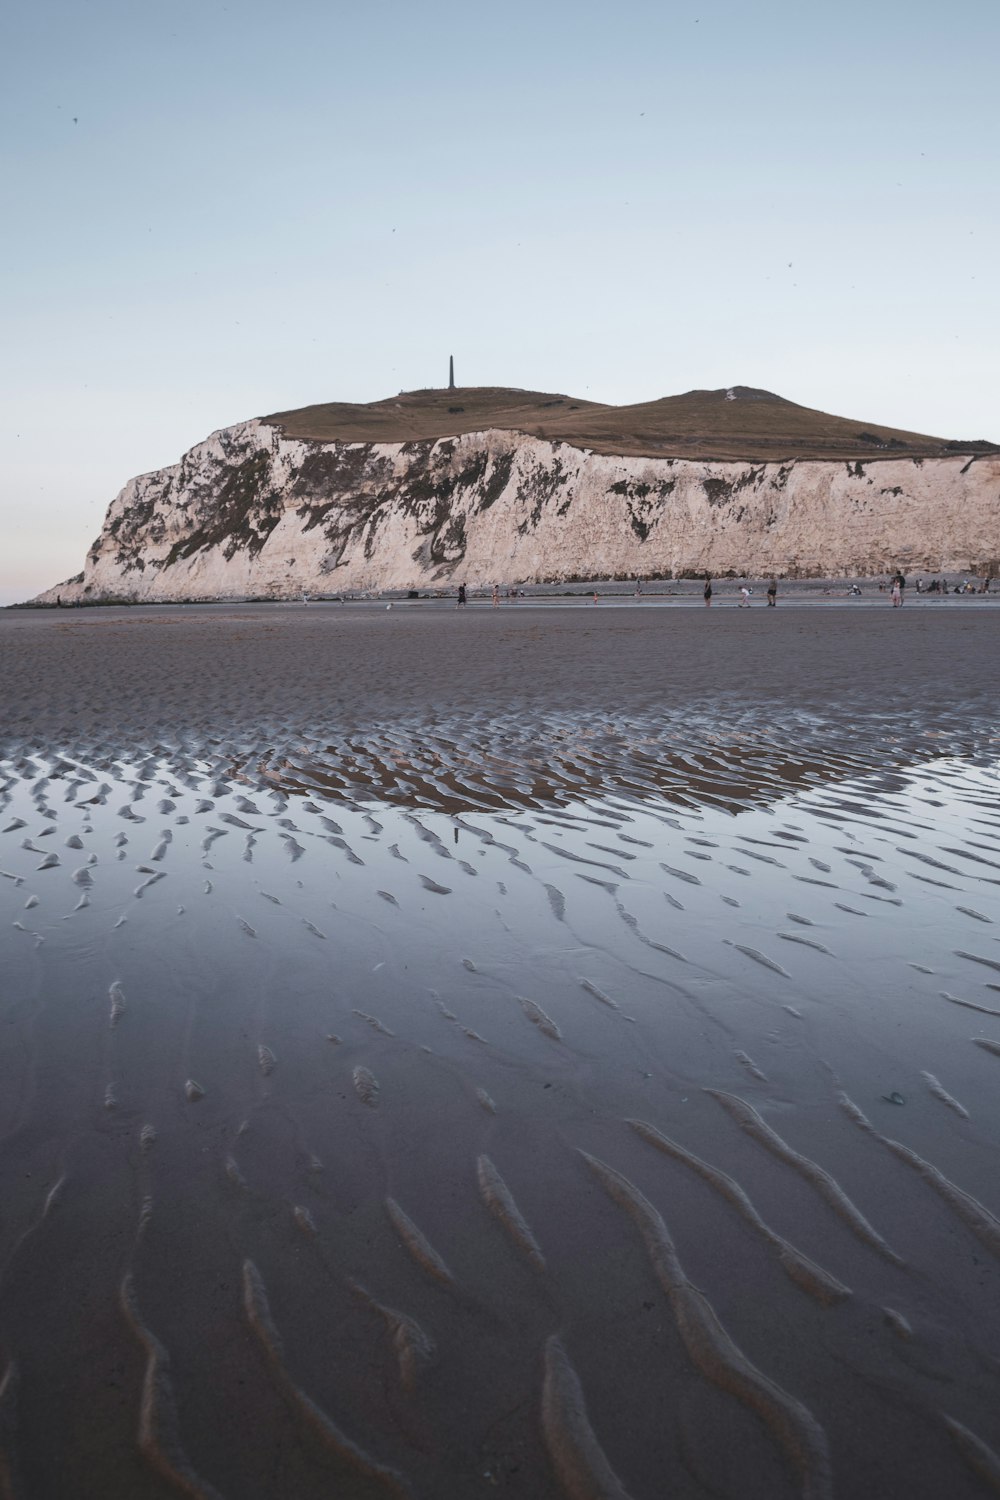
x: 745, y: 593
x: 496, y: 596
x: 707, y: 595
x: 897, y: 593
x: 772, y: 592
x: 461, y: 596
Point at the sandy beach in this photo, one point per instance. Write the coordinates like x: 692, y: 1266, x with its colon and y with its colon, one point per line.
x: 546, y: 1051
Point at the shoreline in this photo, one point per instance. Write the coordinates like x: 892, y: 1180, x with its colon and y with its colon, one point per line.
x: 678, y: 591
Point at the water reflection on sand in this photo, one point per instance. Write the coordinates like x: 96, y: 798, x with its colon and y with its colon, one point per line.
x: 408, y: 1120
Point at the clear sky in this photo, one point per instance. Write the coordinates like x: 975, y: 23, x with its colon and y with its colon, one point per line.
x: 215, y: 210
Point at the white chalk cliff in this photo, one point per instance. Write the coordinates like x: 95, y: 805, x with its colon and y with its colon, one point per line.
x: 253, y: 513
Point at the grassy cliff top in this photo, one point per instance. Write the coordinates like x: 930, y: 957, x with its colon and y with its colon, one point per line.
x: 737, y: 423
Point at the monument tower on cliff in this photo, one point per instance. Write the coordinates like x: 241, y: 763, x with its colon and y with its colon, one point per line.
x: 451, y: 372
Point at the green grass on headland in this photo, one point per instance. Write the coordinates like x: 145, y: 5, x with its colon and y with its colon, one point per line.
x: 739, y: 423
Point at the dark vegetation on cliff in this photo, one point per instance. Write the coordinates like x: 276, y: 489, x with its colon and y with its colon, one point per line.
x: 348, y: 491
x: 735, y: 423
x: 242, y: 513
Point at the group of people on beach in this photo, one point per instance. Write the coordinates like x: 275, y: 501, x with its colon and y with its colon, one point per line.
x: 463, y: 595
x: 896, y: 586
x: 940, y: 586
x: 746, y: 590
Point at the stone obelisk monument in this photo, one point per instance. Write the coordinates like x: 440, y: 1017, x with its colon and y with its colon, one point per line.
x: 451, y: 372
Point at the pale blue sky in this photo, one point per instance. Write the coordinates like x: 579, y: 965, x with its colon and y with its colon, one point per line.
x: 218, y: 210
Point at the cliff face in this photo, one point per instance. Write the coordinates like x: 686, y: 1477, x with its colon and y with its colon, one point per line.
x: 251, y: 512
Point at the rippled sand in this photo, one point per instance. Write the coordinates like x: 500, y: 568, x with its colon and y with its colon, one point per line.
x: 544, y: 1052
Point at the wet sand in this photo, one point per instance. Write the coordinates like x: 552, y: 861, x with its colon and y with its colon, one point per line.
x: 547, y: 1051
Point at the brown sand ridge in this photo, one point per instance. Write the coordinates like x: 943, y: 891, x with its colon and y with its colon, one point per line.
x: 738, y: 422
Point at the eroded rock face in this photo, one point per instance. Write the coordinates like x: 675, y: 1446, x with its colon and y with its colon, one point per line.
x: 251, y: 513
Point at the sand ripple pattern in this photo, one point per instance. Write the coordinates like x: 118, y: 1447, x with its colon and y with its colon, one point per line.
x: 804, y: 1272
x: 713, y: 1351
x: 307, y: 1021
x: 500, y: 1201
x: 259, y: 1317
x: 746, y: 1116
x: 577, y: 1457
x: 158, y: 1437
